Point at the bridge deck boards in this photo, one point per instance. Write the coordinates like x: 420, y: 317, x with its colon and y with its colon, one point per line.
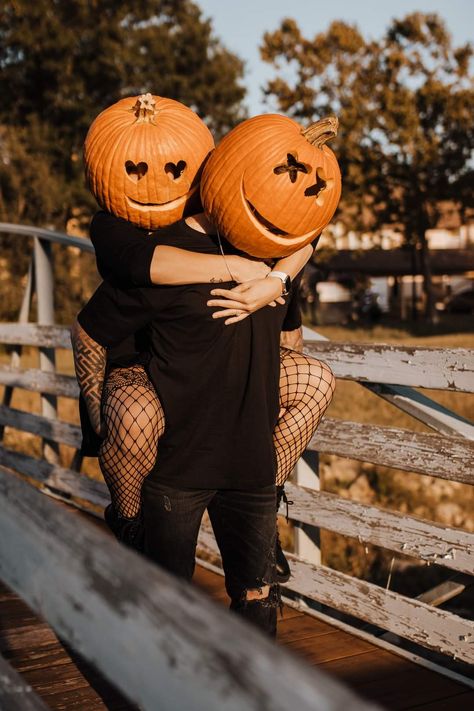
x: 66, y: 682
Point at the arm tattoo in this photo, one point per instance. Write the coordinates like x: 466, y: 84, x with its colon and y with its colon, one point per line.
x: 89, y: 361
x: 215, y: 280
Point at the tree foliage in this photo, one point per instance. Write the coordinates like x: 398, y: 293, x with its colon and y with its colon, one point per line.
x: 405, y: 108
x: 62, y: 62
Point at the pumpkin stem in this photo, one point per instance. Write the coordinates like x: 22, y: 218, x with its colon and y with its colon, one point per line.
x: 144, y: 108
x: 322, y: 131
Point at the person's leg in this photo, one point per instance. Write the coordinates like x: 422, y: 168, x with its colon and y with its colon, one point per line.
x: 172, y: 518
x: 245, y: 528
x: 306, y: 390
x: 134, y: 422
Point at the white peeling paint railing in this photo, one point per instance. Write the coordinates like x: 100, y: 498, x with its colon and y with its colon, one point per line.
x: 448, y: 453
x: 163, y: 643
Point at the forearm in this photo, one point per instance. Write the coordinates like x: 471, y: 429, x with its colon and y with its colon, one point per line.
x: 171, y: 265
x: 292, y: 339
x: 293, y: 264
x: 90, y: 362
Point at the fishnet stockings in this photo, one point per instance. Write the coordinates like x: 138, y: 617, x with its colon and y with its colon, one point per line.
x: 306, y: 389
x: 134, y: 422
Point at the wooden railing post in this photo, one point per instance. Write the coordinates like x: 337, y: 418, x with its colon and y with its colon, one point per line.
x: 45, y: 302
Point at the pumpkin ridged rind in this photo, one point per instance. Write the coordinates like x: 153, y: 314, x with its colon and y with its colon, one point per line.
x: 116, y: 138
x: 242, y: 194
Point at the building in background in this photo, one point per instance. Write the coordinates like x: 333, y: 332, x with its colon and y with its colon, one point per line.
x: 365, y: 275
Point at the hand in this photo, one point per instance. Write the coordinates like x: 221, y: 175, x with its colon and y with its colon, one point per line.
x: 244, y: 299
x: 244, y: 269
x: 292, y: 340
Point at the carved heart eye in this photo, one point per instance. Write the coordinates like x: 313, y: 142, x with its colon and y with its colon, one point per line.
x: 175, y: 170
x: 136, y: 171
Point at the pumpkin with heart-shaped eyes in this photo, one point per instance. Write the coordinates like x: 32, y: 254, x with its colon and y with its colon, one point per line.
x: 143, y: 158
x: 270, y: 186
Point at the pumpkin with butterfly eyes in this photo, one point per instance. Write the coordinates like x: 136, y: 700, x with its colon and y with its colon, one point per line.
x: 143, y: 159
x: 270, y: 186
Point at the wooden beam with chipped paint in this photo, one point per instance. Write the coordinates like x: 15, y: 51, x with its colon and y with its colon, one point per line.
x: 32, y: 334
x: 401, y: 533
x: 158, y: 639
x: 440, y: 456
x: 437, y: 368
x: 39, y: 381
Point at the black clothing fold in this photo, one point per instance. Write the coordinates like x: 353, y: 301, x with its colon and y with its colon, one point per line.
x: 218, y: 385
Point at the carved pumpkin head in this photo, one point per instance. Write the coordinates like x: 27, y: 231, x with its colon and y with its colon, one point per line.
x: 143, y: 158
x: 271, y: 186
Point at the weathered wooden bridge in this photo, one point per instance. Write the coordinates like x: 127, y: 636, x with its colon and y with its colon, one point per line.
x: 87, y: 624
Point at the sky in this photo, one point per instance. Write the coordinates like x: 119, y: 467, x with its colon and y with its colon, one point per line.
x: 240, y: 24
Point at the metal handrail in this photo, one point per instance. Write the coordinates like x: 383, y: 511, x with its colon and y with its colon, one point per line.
x: 83, y: 243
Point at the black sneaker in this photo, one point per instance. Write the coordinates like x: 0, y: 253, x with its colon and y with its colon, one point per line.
x: 283, y: 570
x: 129, y: 531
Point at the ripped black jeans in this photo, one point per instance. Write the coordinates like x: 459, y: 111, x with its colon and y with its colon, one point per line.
x: 244, y: 524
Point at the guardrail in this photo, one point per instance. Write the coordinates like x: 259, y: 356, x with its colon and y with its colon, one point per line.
x: 390, y: 372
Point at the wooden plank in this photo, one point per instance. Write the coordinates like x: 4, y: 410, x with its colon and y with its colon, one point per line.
x: 437, y: 455
x: 33, y: 334
x: 428, y: 626
x: 337, y: 645
x: 115, y: 606
x: 300, y: 603
x: 408, y: 535
x: 61, y: 480
x: 15, y: 693
x: 360, y: 669
x: 446, y: 591
x: 412, y: 402
x: 436, y: 368
x: 39, y: 381
x: 405, y: 688
x: 461, y: 702
x: 47, y: 427
x: 45, y: 657
x: 82, y: 699
x: 291, y: 629
x: 36, y: 635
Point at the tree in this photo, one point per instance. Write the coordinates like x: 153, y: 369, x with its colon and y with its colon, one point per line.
x: 405, y: 110
x: 63, y: 61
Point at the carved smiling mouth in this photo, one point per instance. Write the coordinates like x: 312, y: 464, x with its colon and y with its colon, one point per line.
x: 262, y: 223
x: 266, y: 223
x: 256, y: 216
x: 161, y: 206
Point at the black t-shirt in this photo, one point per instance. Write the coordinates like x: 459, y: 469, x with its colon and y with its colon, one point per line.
x: 124, y: 253
x: 218, y: 384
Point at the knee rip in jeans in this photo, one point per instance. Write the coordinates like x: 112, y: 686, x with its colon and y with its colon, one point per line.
x: 266, y: 595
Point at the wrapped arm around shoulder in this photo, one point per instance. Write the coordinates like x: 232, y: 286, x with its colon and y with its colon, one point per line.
x: 135, y: 259
x: 90, y: 360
